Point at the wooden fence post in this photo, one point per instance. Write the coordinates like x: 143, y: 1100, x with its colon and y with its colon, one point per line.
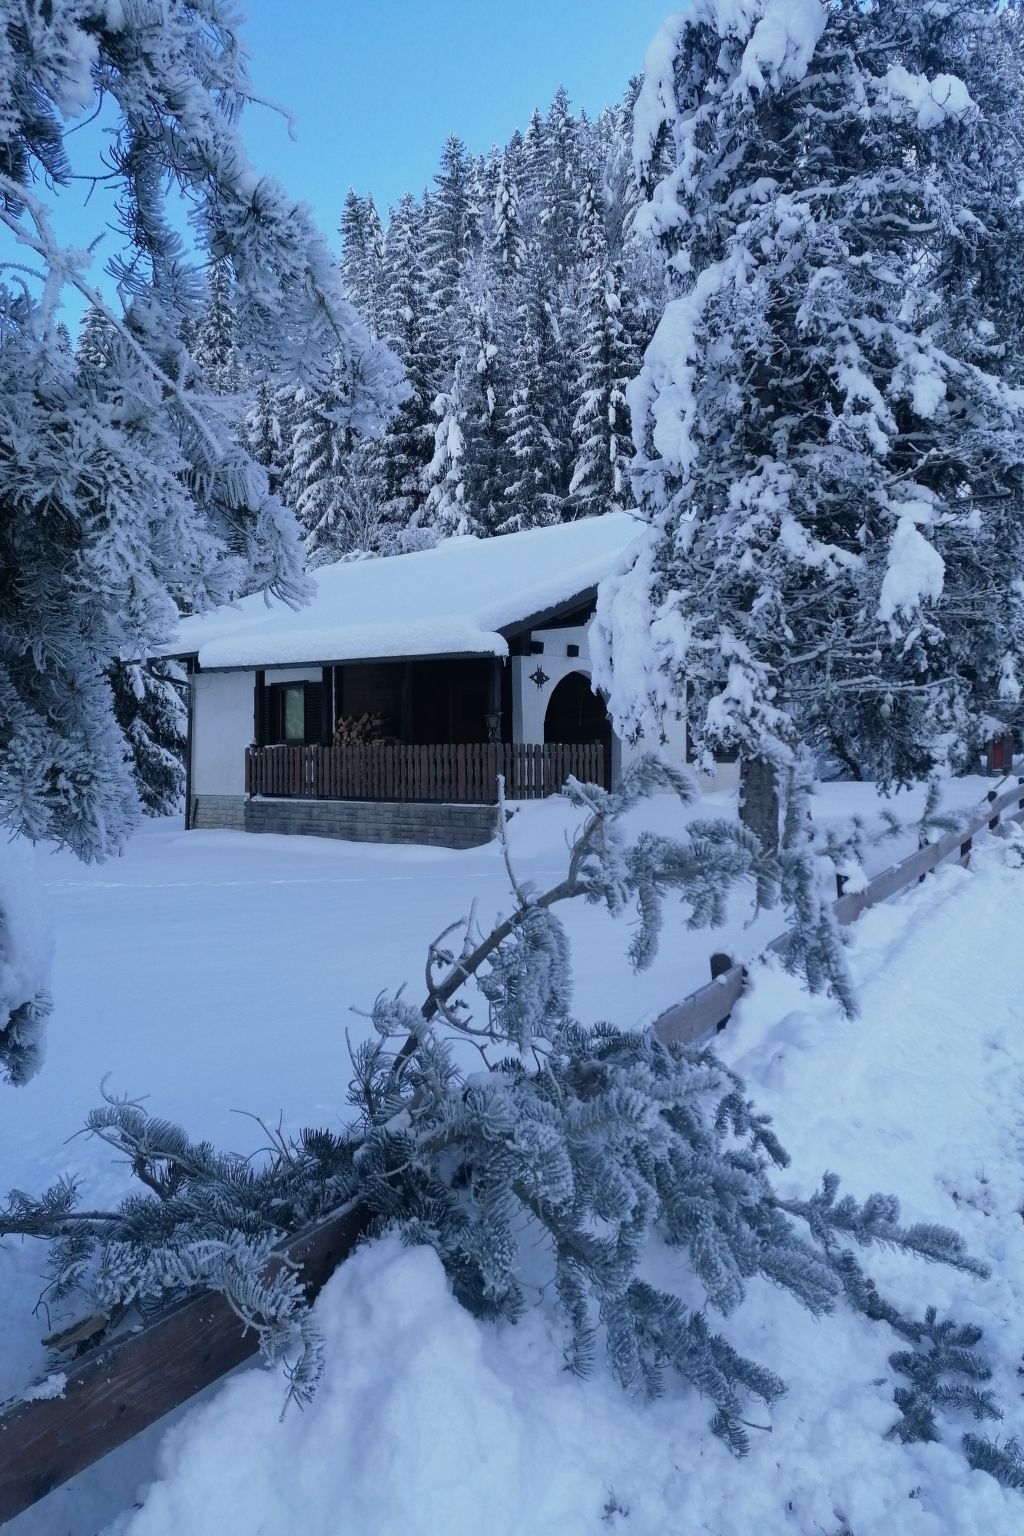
x: 759, y: 800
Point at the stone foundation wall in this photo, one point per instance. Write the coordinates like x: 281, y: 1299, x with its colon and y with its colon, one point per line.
x: 210, y: 811
x: 375, y: 821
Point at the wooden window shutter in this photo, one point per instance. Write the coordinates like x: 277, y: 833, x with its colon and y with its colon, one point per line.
x: 314, y: 711
x: 266, y: 733
x: 327, y: 713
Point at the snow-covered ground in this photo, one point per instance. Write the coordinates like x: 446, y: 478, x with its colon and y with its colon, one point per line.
x: 216, y: 972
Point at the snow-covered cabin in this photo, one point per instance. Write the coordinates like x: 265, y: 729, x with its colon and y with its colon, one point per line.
x: 387, y: 706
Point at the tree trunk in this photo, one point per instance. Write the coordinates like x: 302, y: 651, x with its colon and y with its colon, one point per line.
x: 759, y: 800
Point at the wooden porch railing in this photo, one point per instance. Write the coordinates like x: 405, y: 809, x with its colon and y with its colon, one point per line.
x: 378, y: 771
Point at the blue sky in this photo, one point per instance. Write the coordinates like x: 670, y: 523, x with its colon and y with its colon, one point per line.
x: 377, y: 85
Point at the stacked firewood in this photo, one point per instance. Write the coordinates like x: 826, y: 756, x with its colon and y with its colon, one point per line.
x: 352, y: 730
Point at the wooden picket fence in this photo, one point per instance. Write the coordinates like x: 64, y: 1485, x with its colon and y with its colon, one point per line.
x: 119, y: 1388
x: 455, y: 773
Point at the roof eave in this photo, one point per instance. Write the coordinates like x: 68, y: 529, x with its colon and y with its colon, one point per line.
x: 342, y: 661
x: 545, y: 615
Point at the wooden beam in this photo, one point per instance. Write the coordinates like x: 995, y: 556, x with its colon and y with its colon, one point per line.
x: 122, y: 1387
x: 258, y: 696
x: 328, y: 718
x: 706, y: 1010
x: 703, y: 1011
x: 190, y: 717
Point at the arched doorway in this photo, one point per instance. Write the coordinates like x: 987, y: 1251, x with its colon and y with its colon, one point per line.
x: 576, y: 714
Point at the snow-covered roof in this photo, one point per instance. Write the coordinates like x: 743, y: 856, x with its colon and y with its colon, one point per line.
x: 454, y: 599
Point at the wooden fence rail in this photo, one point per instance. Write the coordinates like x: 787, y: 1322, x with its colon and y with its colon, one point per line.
x: 708, y: 1009
x: 120, y: 1388
x: 466, y: 772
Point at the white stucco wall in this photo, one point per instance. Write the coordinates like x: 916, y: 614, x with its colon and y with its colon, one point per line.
x: 222, y: 722
x: 529, y: 703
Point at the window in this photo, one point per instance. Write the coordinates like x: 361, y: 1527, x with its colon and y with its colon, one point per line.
x: 293, y: 714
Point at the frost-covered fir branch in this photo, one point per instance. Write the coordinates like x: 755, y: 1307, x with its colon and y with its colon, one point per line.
x: 1003, y: 1462
x: 612, y: 1142
x: 945, y: 1375
x: 605, y: 869
x: 126, y: 497
x: 126, y: 493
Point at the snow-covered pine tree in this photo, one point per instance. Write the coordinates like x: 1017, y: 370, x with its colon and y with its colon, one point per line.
x: 123, y: 495
x: 536, y: 480
x: 452, y: 236
x: 314, y: 462
x: 507, y: 245
x: 486, y: 175
x: 601, y: 427
x: 486, y: 393
x: 149, y: 705
x: 261, y: 432
x: 407, y: 325
x: 559, y: 213
x: 828, y: 422
x: 356, y: 522
x: 215, y: 349
x: 318, y: 467
x: 465, y: 478
x: 530, y: 166
x: 447, y: 510
x: 288, y: 401
x: 612, y: 152
x: 362, y: 253
x: 93, y: 338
